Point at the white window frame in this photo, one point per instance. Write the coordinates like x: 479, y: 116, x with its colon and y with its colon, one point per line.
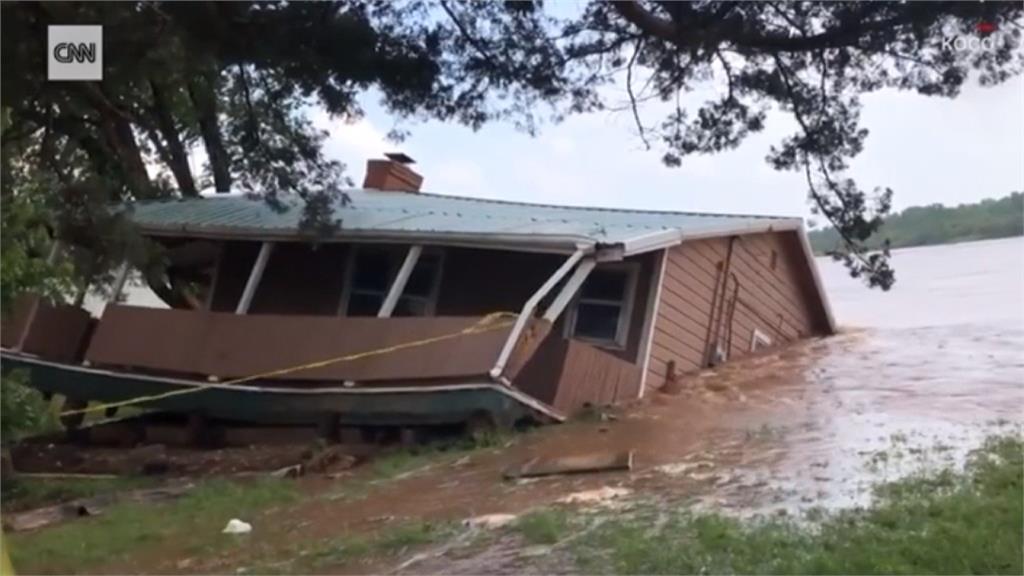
x: 625, y: 321
x: 395, y: 264
x: 759, y: 340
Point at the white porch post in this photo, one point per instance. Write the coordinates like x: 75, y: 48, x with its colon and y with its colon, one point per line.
x: 254, y: 278
x: 122, y: 278
x: 527, y: 311
x: 34, y: 309
x: 54, y: 250
x: 398, y: 286
x: 569, y: 290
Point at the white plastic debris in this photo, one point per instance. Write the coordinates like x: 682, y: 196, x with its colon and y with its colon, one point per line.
x: 236, y: 526
x: 594, y: 496
x: 489, y: 521
x: 681, y: 468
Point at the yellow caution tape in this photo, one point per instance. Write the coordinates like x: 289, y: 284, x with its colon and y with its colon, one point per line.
x: 485, y: 324
x: 6, y: 568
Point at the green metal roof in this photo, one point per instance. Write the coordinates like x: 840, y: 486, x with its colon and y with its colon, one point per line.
x: 374, y: 213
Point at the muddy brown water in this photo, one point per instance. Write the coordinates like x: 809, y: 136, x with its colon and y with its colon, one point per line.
x: 916, y: 377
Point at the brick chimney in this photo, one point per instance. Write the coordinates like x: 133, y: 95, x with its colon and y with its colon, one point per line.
x: 392, y: 174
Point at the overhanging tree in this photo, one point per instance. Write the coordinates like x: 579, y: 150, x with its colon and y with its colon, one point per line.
x: 232, y: 83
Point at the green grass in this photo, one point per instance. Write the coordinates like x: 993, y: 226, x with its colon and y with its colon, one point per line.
x: 543, y: 526
x: 353, y: 550
x: 192, y: 522
x: 27, y: 493
x: 941, y: 522
x: 405, y: 460
x: 408, y: 535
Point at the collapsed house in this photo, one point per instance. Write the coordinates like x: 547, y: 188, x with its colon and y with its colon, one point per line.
x: 424, y: 309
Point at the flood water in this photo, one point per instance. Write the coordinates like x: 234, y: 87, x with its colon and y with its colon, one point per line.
x: 916, y: 378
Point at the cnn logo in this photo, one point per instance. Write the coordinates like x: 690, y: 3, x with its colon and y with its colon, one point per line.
x: 75, y: 53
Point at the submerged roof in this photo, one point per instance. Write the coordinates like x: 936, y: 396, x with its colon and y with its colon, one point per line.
x: 386, y: 214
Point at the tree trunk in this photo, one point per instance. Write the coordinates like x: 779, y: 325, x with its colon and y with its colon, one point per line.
x: 201, y: 92
x: 117, y: 130
x: 177, y: 157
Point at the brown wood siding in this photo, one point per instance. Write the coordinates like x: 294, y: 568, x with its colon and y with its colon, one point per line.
x: 230, y: 346
x: 56, y: 332
x: 591, y: 376
x: 780, y: 302
x: 569, y: 375
x: 542, y: 371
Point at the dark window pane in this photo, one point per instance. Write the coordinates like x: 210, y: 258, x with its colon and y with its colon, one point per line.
x: 605, y: 285
x: 410, y: 307
x: 372, y: 271
x: 597, y: 321
x: 364, y: 304
x: 421, y: 281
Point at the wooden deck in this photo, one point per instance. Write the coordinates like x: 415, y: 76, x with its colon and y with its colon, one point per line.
x: 228, y: 345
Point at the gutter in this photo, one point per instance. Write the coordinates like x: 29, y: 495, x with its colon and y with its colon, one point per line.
x: 557, y: 244
x: 668, y: 238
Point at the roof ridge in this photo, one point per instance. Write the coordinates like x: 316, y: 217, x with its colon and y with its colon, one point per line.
x: 594, y: 208
x: 473, y: 199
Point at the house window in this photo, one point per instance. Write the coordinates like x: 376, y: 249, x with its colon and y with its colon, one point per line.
x: 604, y: 306
x: 369, y: 281
x: 759, y: 340
x: 420, y: 294
x: 371, y: 272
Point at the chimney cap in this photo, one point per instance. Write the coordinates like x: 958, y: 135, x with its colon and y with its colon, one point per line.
x: 400, y: 157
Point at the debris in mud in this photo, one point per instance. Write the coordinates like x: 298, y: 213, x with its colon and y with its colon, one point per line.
x: 576, y: 464
x: 236, y: 526
x: 489, y: 521
x: 597, y: 496
x: 331, y: 459
x: 165, y: 460
x: 293, y: 471
x: 93, y: 506
x: 681, y: 468
x: 48, y: 515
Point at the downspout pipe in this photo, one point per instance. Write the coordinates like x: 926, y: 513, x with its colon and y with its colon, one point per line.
x: 531, y: 305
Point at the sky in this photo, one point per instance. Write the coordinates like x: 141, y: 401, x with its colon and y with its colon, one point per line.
x: 928, y: 150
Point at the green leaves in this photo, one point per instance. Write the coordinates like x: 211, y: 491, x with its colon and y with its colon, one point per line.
x: 231, y: 85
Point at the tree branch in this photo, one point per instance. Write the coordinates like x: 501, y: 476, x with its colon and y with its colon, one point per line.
x: 177, y: 157
x: 465, y: 33
x: 846, y: 34
x: 632, y: 96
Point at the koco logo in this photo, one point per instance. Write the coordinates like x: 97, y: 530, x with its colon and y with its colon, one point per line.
x: 75, y: 53
x: 985, y: 40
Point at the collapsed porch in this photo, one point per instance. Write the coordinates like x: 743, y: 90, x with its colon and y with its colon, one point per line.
x: 269, y: 307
